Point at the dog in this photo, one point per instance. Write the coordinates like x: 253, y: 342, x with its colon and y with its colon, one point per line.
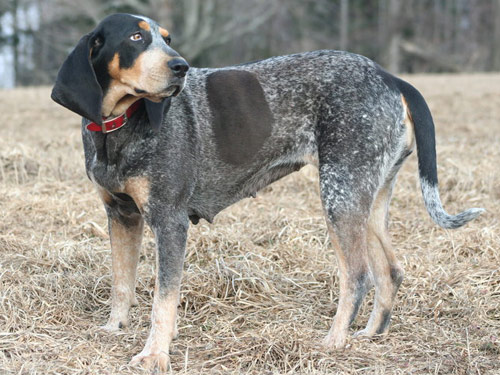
x: 166, y: 143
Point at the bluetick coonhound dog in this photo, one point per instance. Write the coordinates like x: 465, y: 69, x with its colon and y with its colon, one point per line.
x: 167, y: 144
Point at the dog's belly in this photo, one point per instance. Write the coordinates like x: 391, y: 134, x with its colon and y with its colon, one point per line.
x: 220, y: 184
x: 208, y: 201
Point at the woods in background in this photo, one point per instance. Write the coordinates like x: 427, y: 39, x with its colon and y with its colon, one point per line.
x: 401, y: 35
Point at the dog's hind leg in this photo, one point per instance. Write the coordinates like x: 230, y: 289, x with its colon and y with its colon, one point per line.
x: 349, y: 241
x: 347, y: 222
x: 386, y: 272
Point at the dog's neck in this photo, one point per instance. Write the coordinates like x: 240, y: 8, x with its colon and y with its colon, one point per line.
x: 116, y: 101
x: 109, y: 146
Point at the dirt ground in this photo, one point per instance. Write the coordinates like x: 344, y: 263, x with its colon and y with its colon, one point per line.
x: 260, y: 285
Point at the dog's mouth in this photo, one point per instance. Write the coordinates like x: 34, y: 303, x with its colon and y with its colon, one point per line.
x: 172, y: 90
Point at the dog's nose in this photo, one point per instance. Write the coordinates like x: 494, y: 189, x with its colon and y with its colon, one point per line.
x: 179, y: 67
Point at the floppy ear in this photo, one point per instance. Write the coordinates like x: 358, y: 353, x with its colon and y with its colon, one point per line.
x: 76, y: 86
x: 156, y: 112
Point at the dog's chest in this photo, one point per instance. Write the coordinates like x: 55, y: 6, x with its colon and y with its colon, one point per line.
x: 111, y: 163
x: 105, y: 176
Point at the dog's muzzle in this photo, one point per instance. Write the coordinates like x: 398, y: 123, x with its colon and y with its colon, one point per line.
x: 179, y: 67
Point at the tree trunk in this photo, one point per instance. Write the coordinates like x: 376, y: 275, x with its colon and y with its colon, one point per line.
x: 496, y: 37
x: 395, y: 36
x: 382, y: 31
x: 449, y: 25
x: 15, y: 40
x: 162, y: 11
x: 344, y: 24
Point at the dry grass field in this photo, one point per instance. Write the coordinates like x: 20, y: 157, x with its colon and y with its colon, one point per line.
x: 260, y: 284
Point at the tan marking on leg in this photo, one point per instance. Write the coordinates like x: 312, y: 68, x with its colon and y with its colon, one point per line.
x: 103, y: 194
x: 144, y: 25
x: 383, y: 264
x: 125, y: 248
x: 377, y: 223
x: 138, y: 188
x: 311, y: 159
x: 163, y: 317
x: 408, y: 121
x: 352, y: 261
x: 165, y: 312
x: 164, y: 33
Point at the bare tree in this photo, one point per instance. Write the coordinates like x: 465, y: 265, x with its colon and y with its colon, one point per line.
x: 209, y: 23
x: 15, y: 38
x: 395, y: 38
x: 495, y: 47
x: 404, y: 35
x: 344, y: 23
x: 382, y: 24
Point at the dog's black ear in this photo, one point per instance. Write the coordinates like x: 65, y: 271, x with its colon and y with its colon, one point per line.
x: 76, y: 86
x: 156, y: 112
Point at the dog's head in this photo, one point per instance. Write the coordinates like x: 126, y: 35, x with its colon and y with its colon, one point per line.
x: 125, y: 58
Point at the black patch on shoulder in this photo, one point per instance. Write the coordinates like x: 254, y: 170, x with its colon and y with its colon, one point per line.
x: 242, y: 120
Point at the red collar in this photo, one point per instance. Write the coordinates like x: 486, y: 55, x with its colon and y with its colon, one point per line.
x: 116, y: 122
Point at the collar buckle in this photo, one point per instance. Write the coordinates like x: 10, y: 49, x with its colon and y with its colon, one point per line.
x: 114, y: 124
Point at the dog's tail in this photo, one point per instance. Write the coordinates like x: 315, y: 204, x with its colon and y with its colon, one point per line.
x: 426, y: 151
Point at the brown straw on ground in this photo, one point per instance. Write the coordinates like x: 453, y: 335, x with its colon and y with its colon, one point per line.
x: 260, y: 285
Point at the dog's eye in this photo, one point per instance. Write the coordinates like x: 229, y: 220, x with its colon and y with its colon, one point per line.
x: 168, y: 40
x: 135, y: 37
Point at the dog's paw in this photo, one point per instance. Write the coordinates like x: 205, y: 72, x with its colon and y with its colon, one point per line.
x: 366, y: 334
x: 175, y: 333
x: 114, y: 326
x: 362, y: 334
x: 335, y: 341
x: 134, y: 302
x: 148, y: 360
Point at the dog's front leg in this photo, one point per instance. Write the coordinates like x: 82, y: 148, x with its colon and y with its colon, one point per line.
x: 170, y: 229
x: 126, y: 238
x: 125, y: 224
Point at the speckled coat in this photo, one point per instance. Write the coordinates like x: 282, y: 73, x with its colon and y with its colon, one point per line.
x: 231, y: 132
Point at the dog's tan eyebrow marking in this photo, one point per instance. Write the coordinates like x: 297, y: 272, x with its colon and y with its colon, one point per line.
x: 163, y: 32
x: 144, y: 25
